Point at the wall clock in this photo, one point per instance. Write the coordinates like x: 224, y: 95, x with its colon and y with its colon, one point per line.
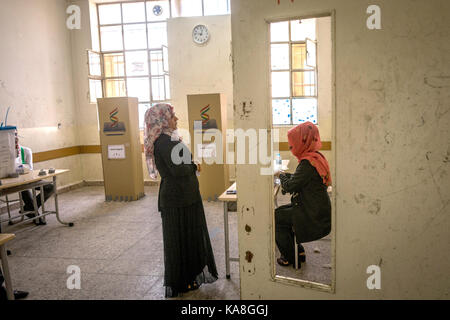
x: 200, y: 34
x: 157, y: 10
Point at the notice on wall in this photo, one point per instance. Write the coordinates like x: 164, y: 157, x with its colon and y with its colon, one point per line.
x: 116, y: 152
x: 206, y: 150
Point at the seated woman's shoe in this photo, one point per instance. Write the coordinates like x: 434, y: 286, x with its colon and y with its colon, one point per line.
x: 301, y: 254
x: 283, y: 262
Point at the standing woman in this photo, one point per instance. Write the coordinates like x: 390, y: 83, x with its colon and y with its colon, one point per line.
x: 188, y: 256
x: 309, y: 213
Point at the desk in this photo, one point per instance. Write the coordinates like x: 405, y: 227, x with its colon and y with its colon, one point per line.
x: 4, y: 238
x: 32, y: 180
x: 225, y: 198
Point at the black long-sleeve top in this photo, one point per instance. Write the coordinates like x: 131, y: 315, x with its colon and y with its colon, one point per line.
x: 310, y: 200
x: 179, y: 184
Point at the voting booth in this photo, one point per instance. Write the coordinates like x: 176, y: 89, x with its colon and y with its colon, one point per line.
x: 207, y: 126
x: 121, y: 149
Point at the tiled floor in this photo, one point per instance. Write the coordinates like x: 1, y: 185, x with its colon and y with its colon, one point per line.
x: 117, y: 246
x: 119, y: 250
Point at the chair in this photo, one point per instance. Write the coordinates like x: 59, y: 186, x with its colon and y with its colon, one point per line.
x: 8, y: 202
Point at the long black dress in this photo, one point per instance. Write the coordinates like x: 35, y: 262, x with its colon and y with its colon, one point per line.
x: 308, y: 214
x: 188, y: 254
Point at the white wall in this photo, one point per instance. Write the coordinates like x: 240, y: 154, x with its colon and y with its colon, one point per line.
x: 36, y: 78
x: 199, y: 69
x: 391, y: 173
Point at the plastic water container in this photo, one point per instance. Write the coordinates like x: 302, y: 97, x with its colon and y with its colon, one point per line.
x: 7, y: 151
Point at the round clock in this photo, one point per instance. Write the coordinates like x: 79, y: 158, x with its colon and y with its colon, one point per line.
x: 200, y: 34
x: 157, y: 10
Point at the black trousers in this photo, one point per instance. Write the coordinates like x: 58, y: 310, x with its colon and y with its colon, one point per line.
x: 284, y: 234
x: 27, y: 197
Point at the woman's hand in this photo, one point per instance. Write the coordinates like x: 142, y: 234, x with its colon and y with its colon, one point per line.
x: 199, y: 167
x: 277, y: 173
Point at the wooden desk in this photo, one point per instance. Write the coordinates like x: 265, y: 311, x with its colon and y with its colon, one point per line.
x: 225, y: 198
x: 4, y: 238
x: 32, y: 180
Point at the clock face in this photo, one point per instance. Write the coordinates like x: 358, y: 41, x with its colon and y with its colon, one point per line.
x: 200, y: 34
x: 157, y: 10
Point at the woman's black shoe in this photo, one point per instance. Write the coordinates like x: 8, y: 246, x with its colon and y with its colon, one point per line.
x: 283, y: 262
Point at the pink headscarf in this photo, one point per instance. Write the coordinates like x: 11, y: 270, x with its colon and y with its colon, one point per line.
x: 156, y: 123
x: 305, y: 143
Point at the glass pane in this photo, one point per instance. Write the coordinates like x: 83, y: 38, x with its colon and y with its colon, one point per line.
x: 157, y: 35
x: 95, y: 90
x: 302, y: 29
x: 114, y: 65
x: 94, y: 64
x: 158, y: 10
x: 215, y: 7
x: 281, y: 111
x: 143, y: 107
x: 167, y: 83
x: 304, y: 83
x: 137, y: 63
x: 111, y: 38
x: 166, y: 59
x: 156, y: 63
x: 299, y: 57
x: 135, y: 36
x: 115, y: 88
x: 190, y: 8
x: 279, y: 31
x: 280, y: 56
x: 139, y: 88
x: 158, y: 88
x: 133, y: 12
x: 311, y: 53
x: 280, y: 84
x: 304, y: 110
x: 109, y: 14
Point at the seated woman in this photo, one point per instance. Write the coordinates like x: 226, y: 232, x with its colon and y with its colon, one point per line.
x: 309, y: 213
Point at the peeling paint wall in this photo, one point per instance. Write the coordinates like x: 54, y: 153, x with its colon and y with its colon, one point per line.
x: 36, y: 78
x: 391, y: 174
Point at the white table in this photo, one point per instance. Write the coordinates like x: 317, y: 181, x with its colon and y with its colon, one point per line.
x: 32, y: 180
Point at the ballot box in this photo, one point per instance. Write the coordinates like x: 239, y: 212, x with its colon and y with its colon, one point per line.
x: 121, y: 149
x: 8, y: 151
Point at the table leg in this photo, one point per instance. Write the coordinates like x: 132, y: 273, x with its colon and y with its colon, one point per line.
x: 6, y: 274
x: 42, y: 203
x: 55, y: 190
x: 36, y: 210
x: 227, y: 243
x: 21, y: 205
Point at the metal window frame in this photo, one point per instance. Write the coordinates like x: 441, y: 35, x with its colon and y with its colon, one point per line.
x: 290, y: 43
x: 124, y: 50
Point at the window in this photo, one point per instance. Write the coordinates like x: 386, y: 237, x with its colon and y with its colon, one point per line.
x: 133, y: 58
x: 293, y: 71
x: 193, y: 8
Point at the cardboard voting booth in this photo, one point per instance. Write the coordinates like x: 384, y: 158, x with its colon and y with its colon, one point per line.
x: 121, y: 149
x: 207, y: 126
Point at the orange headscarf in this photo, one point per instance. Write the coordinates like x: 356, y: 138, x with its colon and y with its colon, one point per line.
x: 304, y: 141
